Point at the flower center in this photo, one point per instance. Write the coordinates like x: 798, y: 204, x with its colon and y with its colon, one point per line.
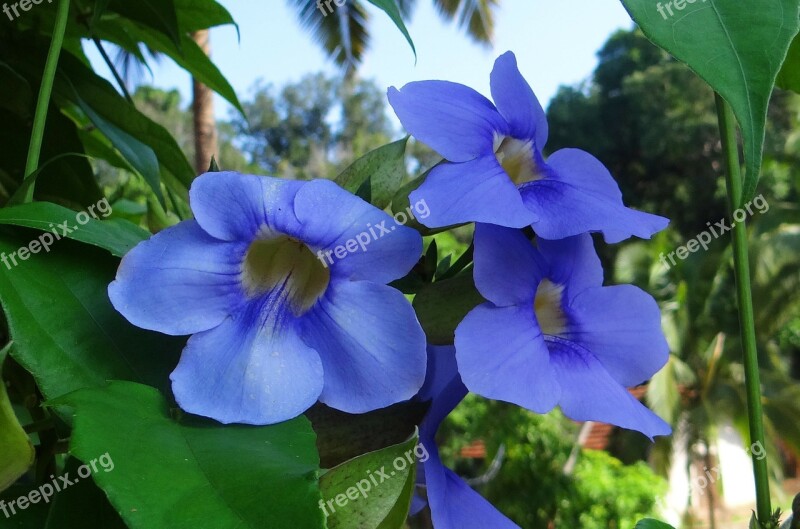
x: 517, y: 158
x: 288, y: 264
x: 547, y: 308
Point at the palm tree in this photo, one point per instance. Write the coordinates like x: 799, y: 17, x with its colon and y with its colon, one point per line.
x: 344, y: 33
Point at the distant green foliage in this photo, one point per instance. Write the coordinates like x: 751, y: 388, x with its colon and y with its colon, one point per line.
x: 532, y: 487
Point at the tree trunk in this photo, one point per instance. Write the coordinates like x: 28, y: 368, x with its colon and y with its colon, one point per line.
x: 205, y: 128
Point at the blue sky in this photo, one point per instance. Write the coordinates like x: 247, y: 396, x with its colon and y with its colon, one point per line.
x: 555, y: 42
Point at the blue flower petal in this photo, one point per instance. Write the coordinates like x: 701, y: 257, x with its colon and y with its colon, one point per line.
x: 590, y: 394
x: 180, y: 281
x: 371, y: 344
x: 252, y: 369
x: 516, y: 101
x: 233, y: 206
x: 454, y: 505
x: 507, y: 267
x: 579, y: 195
x: 572, y: 262
x: 502, y: 355
x: 441, y: 372
x: 454, y: 120
x: 331, y: 217
x: 475, y: 191
x: 621, y: 326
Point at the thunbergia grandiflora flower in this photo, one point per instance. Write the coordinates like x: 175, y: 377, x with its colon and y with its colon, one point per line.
x: 274, y: 328
x: 551, y: 334
x: 495, y: 170
x: 454, y: 505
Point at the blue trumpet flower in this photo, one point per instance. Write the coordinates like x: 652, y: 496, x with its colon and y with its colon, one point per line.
x: 550, y: 334
x: 495, y: 171
x: 275, y: 325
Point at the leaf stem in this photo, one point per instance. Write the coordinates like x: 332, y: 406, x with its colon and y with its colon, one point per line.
x: 46, y: 89
x: 741, y: 263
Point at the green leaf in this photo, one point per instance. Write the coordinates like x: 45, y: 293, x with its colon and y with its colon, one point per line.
x: 115, y: 235
x: 113, y: 108
x: 649, y: 523
x: 188, y: 56
x: 195, y: 473
x: 141, y: 157
x: 441, y: 306
x: 382, y: 171
x: 194, y: 15
x: 160, y: 15
x: 391, y: 8
x: 17, y: 452
x: 66, y: 332
x: 373, y: 490
x: 735, y: 50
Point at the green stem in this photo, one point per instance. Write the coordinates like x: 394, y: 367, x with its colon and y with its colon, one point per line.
x: 46, y: 89
x: 741, y: 264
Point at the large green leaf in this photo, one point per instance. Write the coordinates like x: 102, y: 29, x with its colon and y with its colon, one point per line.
x: 107, y: 103
x: 17, y: 453
x: 371, y: 491
x: 736, y: 48
x: 115, y: 235
x: 188, y: 56
x: 65, y: 330
x: 391, y: 8
x: 202, y: 14
x: 195, y: 473
x: 377, y: 175
x: 141, y: 157
x: 159, y: 15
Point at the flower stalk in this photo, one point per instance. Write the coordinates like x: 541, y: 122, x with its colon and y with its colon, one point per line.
x: 741, y: 263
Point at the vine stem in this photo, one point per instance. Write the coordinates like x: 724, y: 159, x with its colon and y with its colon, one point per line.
x: 46, y: 89
x: 741, y: 264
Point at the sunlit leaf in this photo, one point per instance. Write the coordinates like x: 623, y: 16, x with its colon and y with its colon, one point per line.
x: 17, y: 453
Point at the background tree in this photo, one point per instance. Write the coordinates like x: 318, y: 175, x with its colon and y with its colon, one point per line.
x: 344, y: 32
x: 312, y: 128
